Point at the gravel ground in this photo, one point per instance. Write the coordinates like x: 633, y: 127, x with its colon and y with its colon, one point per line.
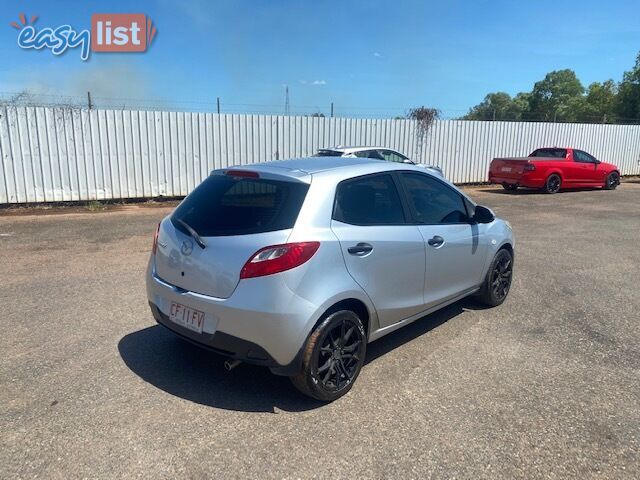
x: 545, y: 386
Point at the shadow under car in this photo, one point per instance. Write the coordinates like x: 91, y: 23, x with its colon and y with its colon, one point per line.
x: 176, y: 366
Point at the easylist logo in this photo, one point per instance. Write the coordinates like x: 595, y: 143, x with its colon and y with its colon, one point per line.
x: 110, y: 33
x: 121, y: 32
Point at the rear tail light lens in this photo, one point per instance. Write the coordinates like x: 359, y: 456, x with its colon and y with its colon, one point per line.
x: 529, y: 167
x: 278, y: 258
x: 155, y: 240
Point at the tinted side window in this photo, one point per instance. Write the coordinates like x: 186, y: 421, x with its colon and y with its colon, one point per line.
x: 223, y: 205
x: 370, y: 200
x: 583, y: 157
x: 434, y: 202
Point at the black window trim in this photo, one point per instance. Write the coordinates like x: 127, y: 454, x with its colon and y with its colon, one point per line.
x: 399, y: 190
x: 413, y: 213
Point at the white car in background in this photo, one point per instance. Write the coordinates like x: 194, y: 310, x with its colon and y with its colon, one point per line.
x: 378, y: 153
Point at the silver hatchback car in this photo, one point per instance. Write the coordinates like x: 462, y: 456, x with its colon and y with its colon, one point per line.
x: 298, y: 264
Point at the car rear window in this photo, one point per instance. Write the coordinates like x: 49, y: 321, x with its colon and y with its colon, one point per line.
x: 224, y: 205
x: 550, y: 153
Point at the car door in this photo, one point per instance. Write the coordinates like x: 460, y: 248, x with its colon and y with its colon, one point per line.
x: 589, y: 170
x: 586, y: 168
x: 456, y: 247
x: 383, y: 253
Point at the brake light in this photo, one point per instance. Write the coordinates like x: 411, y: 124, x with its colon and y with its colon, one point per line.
x: 155, y: 240
x: 278, y: 258
x: 529, y: 167
x: 242, y: 173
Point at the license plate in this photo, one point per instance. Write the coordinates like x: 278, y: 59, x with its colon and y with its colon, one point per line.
x: 506, y: 169
x: 186, y: 317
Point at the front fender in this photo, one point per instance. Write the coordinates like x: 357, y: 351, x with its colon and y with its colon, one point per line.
x: 499, y: 234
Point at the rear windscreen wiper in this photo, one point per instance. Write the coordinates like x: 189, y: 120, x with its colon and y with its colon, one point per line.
x: 193, y: 233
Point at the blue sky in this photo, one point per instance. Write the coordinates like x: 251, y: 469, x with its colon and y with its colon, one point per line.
x: 370, y: 57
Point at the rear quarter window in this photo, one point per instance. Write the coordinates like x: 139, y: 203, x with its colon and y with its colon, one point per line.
x: 223, y: 205
x: 550, y: 153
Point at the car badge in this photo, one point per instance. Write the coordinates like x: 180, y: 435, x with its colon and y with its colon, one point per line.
x: 187, y: 247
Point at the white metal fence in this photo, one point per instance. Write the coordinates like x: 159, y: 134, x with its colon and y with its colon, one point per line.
x: 63, y: 154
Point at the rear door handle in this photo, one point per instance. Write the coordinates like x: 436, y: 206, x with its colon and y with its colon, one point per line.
x: 360, y: 250
x: 436, y: 241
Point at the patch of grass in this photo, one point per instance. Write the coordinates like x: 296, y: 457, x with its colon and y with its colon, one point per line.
x: 95, y: 206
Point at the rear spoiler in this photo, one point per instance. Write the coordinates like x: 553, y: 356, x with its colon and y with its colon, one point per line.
x: 267, y: 172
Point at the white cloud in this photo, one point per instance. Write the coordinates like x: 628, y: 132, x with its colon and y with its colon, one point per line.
x: 377, y: 54
x: 319, y: 82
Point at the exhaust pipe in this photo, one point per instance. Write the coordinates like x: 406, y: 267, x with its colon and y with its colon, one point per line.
x: 231, y: 364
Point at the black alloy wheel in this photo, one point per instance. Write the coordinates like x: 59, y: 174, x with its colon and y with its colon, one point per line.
x: 332, y: 357
x: 497, y: 282
x: 553, y: 183
x: 338, y: 358
x: 501, y: 276
x: 613, y: 180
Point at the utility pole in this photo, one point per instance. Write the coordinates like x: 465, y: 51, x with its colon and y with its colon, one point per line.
x: 331, y: 109
x: 286, y: 100
x: 90, y: 105
x: 218, y: 104
x: 494, y: 114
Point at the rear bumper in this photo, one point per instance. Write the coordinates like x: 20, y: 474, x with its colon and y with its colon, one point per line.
x: 263, y: 324
x: 521, y: 181
x: 218, y: 342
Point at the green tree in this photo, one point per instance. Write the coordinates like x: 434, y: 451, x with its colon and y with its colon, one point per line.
x: 498, y: 106
x: 597, y: 106
x: 521, y: 104
x: 628, y: 98
x: 552, y: 96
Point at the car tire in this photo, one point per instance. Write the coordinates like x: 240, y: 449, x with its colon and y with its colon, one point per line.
x: 497, y: 282
x: 553, y: 183
x: 510, y: 187
x: 612, y: 181
x: 332, y: 357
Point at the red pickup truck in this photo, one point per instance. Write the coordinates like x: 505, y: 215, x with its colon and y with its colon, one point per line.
x: 552, y: 169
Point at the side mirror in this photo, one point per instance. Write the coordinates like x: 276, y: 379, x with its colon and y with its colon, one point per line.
x: 597, y: 162
x: 483, y: 215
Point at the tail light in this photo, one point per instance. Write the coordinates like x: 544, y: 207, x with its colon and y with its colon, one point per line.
x: 278, y: 258
x: 242, y: 174
x: 155, y: 240
x: 529, y: 167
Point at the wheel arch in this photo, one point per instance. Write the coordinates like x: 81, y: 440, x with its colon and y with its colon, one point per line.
x: 555, y: 171
x: 506, y: 246
x: 359, y: 306
x: 353, y: 304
